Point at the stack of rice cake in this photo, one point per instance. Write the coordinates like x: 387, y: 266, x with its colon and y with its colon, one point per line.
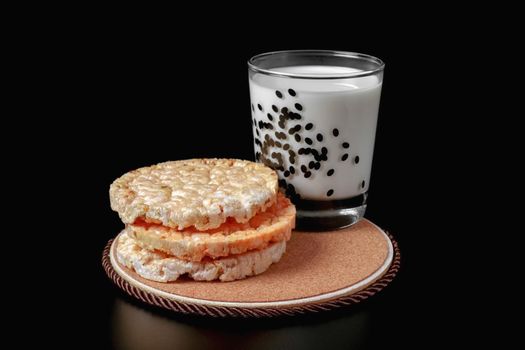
x: 207, y: 218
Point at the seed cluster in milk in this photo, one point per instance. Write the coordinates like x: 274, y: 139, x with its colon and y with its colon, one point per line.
x: 318, y: 135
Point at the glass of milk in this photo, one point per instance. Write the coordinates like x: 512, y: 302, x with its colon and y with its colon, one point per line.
x: 314, y: 116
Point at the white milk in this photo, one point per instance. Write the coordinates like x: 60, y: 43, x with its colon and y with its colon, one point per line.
x: 348, y: 105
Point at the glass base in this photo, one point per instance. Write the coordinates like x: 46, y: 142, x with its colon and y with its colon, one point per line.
x: 329, y: 215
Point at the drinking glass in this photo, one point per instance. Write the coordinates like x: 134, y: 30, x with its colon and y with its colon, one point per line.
x: 314, y: 115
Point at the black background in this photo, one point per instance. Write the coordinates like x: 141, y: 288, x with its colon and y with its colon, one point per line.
x: 142, y: 97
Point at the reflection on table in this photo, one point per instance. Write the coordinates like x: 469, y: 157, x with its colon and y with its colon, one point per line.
x: 138, y: 327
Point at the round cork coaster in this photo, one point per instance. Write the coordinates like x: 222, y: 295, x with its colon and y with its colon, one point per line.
x: 319, y: 271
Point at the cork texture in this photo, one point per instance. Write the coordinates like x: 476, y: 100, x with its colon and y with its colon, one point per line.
x: 314, y: 264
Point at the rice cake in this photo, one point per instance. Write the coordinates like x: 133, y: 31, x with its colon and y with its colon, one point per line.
x: 202, y: 193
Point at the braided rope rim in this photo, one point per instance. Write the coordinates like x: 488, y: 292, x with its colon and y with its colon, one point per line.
x: 222, y: 311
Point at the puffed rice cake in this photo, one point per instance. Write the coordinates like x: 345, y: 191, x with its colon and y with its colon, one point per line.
x: 207, y: 218
x: 198, y: 192
x: 161, y: 267
x: 273, y: 225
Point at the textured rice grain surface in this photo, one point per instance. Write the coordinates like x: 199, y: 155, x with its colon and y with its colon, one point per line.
x: 160, y: 267
x: 274, y: 225
x: 202, y: 193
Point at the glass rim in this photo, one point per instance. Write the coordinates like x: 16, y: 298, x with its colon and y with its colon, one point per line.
x: 380, y: 64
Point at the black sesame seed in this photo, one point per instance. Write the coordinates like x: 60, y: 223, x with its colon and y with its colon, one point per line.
x: 307, y: 174
x: 335, y: 132
x: 253, y: 108
x: 346, y: 145
x: 307, y: 150
x: 261, y: 125
x: 257, y: 132
x: 291, y: 92
x: 329, y: 193
x: 284, y: 110
x: 303, y: 168
x: 260, y: 107
x: 275, y: 109
x: 344, y: 157
x: 356, y: 159
x: 319, y: 137
x: 278, y: 144
x: 297, y: 137
x: 298, y: 107
x: 330, y: 172
x: 309, y: 126
x: 286, y: 174
x: 294, y: 129
x: 281, y: 124
x: 324, y: 150
x: 292, y: 170
x: 269, y: 116
x: 286, y: 147
x: 311, y: 165
x: 317, y: 166
x: 324, y: 157
x: 308, y: 140
x: 363, y: 184
x: 279, y: 94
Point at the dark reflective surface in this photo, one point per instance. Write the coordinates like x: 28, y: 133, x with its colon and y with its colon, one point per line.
x: 135, y: 327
